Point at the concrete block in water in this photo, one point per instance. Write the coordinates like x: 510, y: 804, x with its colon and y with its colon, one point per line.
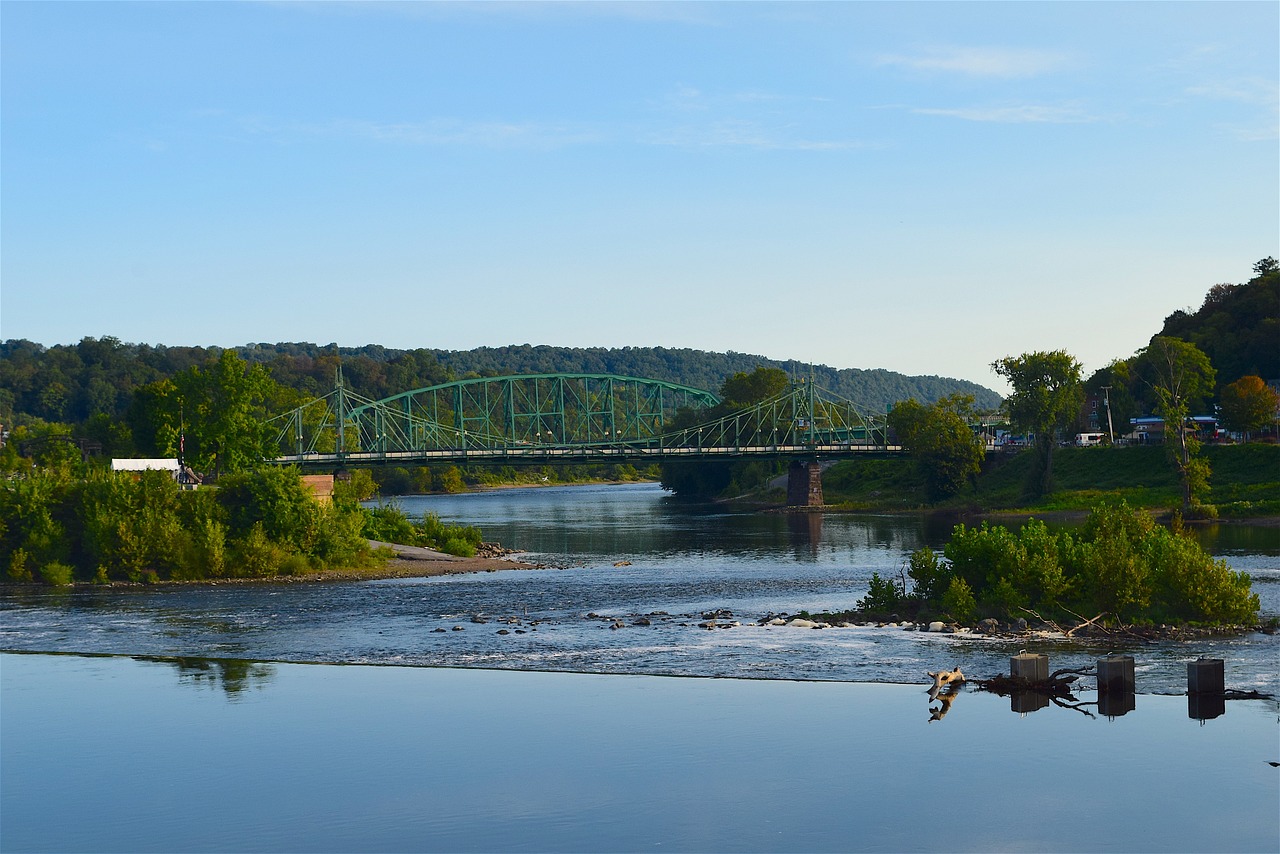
x: 1206, y: 676
x: 1115, y: 674
x: 1031, y: 666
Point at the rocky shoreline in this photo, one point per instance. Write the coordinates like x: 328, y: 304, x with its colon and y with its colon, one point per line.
x: 988, y: 629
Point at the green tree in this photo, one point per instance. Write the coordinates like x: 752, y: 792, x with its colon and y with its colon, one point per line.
x: 1248, y: 404
x: 1047, y: 396
x: 1179, y: 375
x: 223, y: 414
x: 743, y: 389
x: 948, y: 453
x: 709, y: 478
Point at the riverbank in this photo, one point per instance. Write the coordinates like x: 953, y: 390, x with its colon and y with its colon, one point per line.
x: 398, y: 561
x: 420, y: 562
x: 1243, y: 485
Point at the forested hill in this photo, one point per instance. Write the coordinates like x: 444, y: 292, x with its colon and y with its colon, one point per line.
x: 72, y: 382
x: 874, y: 389
x: 1237, y: 327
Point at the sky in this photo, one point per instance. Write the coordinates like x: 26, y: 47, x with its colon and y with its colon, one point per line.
x: 913, y: 186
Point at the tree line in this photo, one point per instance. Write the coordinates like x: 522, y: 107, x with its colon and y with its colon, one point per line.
x: 98, y: 378
x: 1172, y: 378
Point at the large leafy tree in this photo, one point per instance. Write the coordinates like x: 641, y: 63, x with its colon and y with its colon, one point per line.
x: 1047, y: 397
x: 948, y: 453
x: 1179, y: 376
x: 211, y: 414
x: 1248, y: 404
x: 709, y: 478
x: 223, y: 405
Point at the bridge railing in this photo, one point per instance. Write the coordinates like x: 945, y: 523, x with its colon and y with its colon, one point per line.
x: 802, y: 416
x: 489, y: 415
x: 541, y: 417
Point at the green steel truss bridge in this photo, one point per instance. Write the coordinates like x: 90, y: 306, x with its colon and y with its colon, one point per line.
x: 570, y: 418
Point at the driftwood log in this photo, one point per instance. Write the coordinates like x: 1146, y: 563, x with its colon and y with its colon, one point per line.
x: 943, y: 678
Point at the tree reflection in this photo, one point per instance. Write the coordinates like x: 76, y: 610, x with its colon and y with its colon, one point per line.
x: 232, y: 675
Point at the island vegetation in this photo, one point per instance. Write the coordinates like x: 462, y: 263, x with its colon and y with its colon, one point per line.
x: 1119, y: 567
x: 61, y: 526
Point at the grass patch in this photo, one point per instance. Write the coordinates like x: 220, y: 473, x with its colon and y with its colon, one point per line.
x: 1245, y: 481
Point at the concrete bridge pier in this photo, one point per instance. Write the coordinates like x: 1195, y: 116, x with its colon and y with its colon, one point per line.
x: 804, y: 484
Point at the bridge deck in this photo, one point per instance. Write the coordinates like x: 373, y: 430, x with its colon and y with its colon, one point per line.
x: 552, y: 454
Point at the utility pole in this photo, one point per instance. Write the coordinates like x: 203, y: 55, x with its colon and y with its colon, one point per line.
x: 1111, y: 436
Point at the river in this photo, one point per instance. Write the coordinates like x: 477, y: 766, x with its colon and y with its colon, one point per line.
x: 624, y: 555
x: 265, y: 717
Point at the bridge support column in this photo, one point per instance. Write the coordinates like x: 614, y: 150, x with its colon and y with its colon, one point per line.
x: 804, y: 484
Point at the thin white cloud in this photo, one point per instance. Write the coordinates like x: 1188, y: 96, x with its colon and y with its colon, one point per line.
x: 980, y: 61
x: 747, y: 134
x: 495, y: 134
x: 1022, y: 114
x: 431, y: 132
x: 1249, y: 92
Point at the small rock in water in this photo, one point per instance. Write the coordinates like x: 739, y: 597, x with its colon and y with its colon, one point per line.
x: 641, y: 621
x: 776, y: 621
x: 457, y: 628
x: 503, y: 632
x: 937, y: 626
x: 437, y: 630
x: 802, y: 624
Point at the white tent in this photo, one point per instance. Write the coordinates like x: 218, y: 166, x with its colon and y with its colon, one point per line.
x: 145, y: 465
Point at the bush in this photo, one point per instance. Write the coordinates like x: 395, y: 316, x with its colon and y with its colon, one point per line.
x: 144, y: 528
x: 958, y: 602
x: 1121, y: 563
x: 885, y: 595
x: 56, y: 574
x: 931, y: 575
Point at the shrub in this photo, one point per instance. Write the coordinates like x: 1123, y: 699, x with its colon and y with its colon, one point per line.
x: 56, y: 574
x: 885, y: 595
x: 256, y: 555
x: 930, y: 574
x: 1120, y: 563
x: 958, y: 602
x: 458, y: 546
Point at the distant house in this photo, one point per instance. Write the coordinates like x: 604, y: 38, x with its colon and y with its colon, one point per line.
x: 1149, y: 429
x: 182, y: 474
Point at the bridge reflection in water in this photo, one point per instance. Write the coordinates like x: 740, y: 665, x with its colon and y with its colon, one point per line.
x: 578, y: 418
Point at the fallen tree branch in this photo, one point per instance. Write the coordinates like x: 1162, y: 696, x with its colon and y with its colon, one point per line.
x: 1057, y: 685
x: 1085, y: 623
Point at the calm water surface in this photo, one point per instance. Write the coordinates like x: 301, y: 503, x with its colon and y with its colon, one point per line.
x: 114, y: 754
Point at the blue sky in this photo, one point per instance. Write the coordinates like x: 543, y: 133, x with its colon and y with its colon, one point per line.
x: 915, y: 186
